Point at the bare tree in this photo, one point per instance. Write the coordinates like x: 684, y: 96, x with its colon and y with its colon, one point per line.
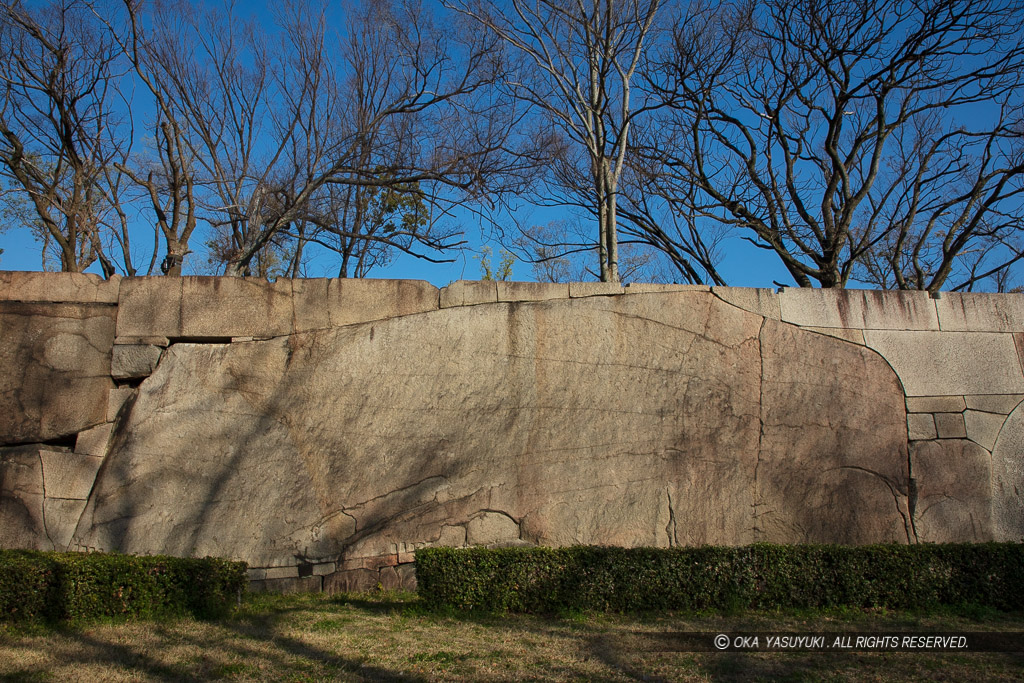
x: 60, y: 128
x: 874, y: 139
x: 579, y: 59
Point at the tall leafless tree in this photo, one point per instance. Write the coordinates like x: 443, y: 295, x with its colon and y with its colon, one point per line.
x: 578, y: 62
x: 61, y: 127
x: 873, y: 139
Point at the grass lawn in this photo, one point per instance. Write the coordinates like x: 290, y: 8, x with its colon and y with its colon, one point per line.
x: 393, y: 637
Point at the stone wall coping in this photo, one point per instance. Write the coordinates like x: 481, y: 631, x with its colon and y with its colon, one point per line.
x: 220, y: 307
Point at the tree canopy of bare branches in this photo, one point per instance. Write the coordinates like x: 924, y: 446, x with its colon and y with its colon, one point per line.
x: 59, y: 127
x: 876, y: 139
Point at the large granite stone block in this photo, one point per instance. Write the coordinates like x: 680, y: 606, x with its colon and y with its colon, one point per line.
x: 950, y: 363
x: 868, y: 309
x: 58, y: 287
x: 54, y: 369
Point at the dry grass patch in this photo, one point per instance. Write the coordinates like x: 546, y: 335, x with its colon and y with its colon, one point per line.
x: 392, y: 637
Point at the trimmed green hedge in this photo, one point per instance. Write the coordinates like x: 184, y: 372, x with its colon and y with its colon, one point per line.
x: 84, y: 586
x: 760, y: 576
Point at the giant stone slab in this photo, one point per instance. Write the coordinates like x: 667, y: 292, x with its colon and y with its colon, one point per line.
x: 629, y: 420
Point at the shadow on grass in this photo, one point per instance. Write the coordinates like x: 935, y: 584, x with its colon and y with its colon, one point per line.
x: 269, y: 639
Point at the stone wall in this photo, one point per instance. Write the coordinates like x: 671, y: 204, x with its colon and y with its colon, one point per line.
x: 323, y: 430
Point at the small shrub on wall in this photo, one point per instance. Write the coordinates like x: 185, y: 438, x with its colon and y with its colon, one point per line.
x: 760, y: 576
x: 85, y: 586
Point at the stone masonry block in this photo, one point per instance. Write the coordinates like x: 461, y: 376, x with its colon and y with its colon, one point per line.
x: 54, y: 369
x: 1007, y: 481
x: 353, y: 300
x: 21, y: 499
x: 658, y: 288
x: 68, y: 475
x: 954, y: 495
x: 61, y: 517
x: 1003, y: 405
x: 935, y: 404
x: 920, y: 426
x: 983, y: 428
x: 133, y: 361
x: 58, y: 287
x: 351, y: 581
x: 309, y: 303
x: 93, y: 441
x: 763, y: 302
x: 219, y: 307
x: 282, y: 572
x: 293, y: 584
x: 468, y: 293
x: 324, y: 568
x: 531, y: 291
x: 582, y: 289
x: 149, y: 306
x: 950, y: 425
x: 979, y: 312
x: 858, y: 309
x: 950, y: 363
x: 116, y: 399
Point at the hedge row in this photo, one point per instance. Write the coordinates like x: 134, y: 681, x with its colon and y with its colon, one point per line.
x: 760, y: 576
x: 84, y: 586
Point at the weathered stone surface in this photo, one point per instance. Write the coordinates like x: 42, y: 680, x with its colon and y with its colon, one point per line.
x: 954, y: 497
x: 220, y: 307
x: 1003, y: 405
x: 407, y: 575
x: 390, y: 579
x: 580, y: 289
x: 763, y: 302
x: 68, y: 475
x: 950, y: 363
x: 61, y: 518
x: 832, y: 466
x: 94, y: 441
x: 1008, y: 479
x: 491, y: 528
x: 21, y: 499
x: 852, y: 336
x: 468, y: 293
x: 630, y: 420
x: 867, y: 309
x: 132, y: 361
x: 150, y: 340
x: 351, y: 581
x: 282, y: 572
x: 950, y: 425
x: 531, y: 291
x: 54, y: 369
x: 921, y: 426
x: 304, y: 584
x: 978, y: 312
x: 658, y: 288
x: 351, y: 301
x: 116, y: 399
x: 149, y: 306
x: 310, y: 310
x: 983, y: 428
x: 58, y: 287
x: 935, y: 404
